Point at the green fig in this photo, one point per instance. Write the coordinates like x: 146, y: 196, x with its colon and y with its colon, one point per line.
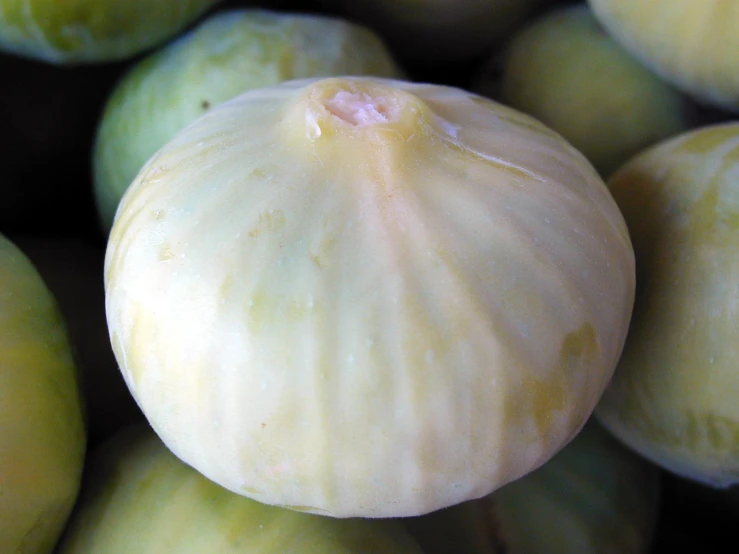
x: 138, y: 497
x: 42, y: 433
x: 567, y: 72
x: 227, y: 54
x: 73, y: 270
x: 440, y: 30
x: 592, y: 497
x: 85, y: 31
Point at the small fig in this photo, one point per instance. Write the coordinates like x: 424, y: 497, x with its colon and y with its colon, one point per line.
x: 673, y: 397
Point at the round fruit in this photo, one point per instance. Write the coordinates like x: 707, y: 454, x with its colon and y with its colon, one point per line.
x: 674, y: 395
x: 367, y: 297
x: 138, y: 497
x: 693, y: 44
x: 594, y: 496
x: 227, y: 54
x: 567, y: 72
x: 73, y: 269
x: 92, y: 30
x: 440, y: 30
x: 42, y: 435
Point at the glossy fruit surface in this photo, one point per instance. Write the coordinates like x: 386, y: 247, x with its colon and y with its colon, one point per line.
x: 366, y: 297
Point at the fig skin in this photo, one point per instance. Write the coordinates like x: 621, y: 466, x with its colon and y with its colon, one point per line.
x: 138, y: 497
x: 228, y: 53
x: 694, y: 45
x: 566, y: 71
x: 42, y: 434
x: 439, y: 30
x: 367, y: 297
x: 593, y: 496
x: 72, y: 268
x: 673, y: 394
x: 92, y: 31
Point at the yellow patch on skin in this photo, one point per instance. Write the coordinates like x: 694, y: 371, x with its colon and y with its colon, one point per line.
x: 702, y: 144
x: 141, y: 336
x: 541, y: 398
x: 166, y: 254
x: 322, y: 254
x: 269, y: 221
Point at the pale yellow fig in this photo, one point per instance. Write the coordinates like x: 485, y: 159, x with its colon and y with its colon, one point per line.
x: 42, y: 434
x: 367, y: 297
x: 566, y: 71
x: 674, y: 394
x: 227, y: 54
x: 692, y: 43
x: 139, y: 498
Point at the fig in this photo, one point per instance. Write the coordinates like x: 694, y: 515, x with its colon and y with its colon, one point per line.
x: 673, y: 394
x: 440, y: 30
x: 92, y: 31
x: 694, y: 45
x: 72, y: 268
x: 42, y: 434
x: 367, y: 297
x: 138, y: 497
x: 566, y: 71
x: 228, y: 53
x: 594, y: 496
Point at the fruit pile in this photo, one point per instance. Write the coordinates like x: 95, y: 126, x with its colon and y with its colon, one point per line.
x: 379, y: 276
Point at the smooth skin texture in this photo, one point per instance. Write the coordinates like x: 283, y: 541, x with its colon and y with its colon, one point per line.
x: 92, y: 31
x: 565, y: 70
x: 227, y: 54
x: 367, y: 297
x: 694, y: 44
x: 138, y: 497
x: 593, y: 496
x: 674, y: 394
x: 42, y: 435
x: 440, y: 30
